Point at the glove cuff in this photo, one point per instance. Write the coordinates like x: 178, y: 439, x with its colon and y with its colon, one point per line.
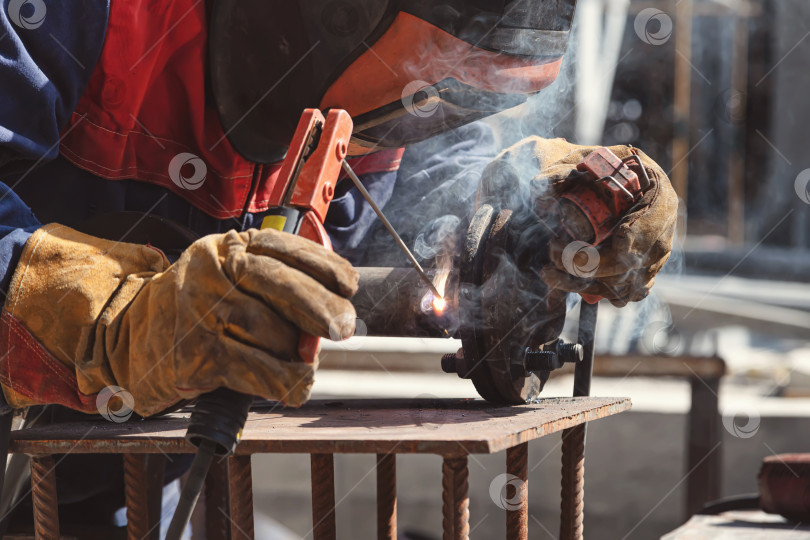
x: 65, y: 286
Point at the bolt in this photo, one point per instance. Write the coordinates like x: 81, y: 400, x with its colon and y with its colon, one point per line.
x: 540, y: 360
x: 449, y: 363
x: 570, y: 352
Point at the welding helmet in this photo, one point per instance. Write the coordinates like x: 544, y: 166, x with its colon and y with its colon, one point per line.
x: 404, y: 69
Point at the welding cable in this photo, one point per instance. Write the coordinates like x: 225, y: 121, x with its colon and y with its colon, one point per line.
x: 367, y: 196
x: 6, y: 419
x: 749, y: 501
x: 191, y: 490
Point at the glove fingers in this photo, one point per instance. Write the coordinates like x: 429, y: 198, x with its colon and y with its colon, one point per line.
x: 251, y: 322
x: 254, y: 372
x: 326, y: 266
x: 563, y: 281
x: 295, y: 295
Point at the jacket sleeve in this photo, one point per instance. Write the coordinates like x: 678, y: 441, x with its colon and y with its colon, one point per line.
x: 47, y: 54
x: 16, y: 225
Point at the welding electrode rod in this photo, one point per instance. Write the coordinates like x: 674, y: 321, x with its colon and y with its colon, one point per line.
x: 400, y: 243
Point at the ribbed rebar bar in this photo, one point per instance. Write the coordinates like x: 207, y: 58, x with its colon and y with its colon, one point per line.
x: 143, y: 481
x: 323, y: 497
x: 43, y: 489
x: 217, y: 525
x: 517, y: 511
x: 386, y: 496
x: 573, y: 483
x: 455, y: 499
x: 240, y: 481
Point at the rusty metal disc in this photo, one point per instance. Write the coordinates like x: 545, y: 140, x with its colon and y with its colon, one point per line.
x: 518, y: 310
x: 469, y: 297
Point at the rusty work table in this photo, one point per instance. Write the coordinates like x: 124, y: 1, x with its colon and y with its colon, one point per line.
x: 450, y: 428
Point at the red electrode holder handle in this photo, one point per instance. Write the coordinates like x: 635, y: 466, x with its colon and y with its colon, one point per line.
x: 307, y: 182
x: 593, y: 208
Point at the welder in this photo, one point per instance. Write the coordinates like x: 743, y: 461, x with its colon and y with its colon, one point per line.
x: 183, y: 110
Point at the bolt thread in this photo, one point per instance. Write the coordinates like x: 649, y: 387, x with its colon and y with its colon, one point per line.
x: 570, y: 352
x: 449, y: 363
x: 539, y: 360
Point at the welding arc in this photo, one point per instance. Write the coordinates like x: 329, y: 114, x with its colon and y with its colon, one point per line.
x: 391, y: 230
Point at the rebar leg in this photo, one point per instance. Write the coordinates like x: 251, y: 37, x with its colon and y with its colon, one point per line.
x: 143, y: 480
x: 43, y: 490
x: 240, y: 481
x: 517, y: 519
x: 323, y: 497
x: 217, y: 525
x: 573, y: 483
x: 456, y: 499
x: 386, y: 497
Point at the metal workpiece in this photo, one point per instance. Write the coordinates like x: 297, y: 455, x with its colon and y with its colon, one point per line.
x: 395, y: 302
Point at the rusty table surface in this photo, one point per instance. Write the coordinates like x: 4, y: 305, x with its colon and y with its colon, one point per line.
x: 435, y: 426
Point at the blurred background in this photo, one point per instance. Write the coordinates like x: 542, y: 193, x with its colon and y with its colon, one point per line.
x: 718, y: 92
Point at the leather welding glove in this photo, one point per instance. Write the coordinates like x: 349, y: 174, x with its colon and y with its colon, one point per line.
x: 228, y: 313
x: 623, y: 267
